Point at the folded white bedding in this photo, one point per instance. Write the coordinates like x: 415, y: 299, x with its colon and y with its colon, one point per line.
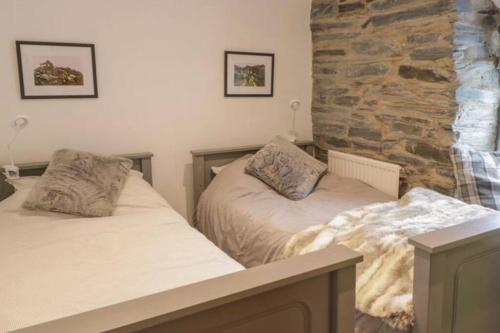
x: 54, y: 265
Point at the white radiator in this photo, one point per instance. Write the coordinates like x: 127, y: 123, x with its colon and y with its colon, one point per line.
x: 381, y: 175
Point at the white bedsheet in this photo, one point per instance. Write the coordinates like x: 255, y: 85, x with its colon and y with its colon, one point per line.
x: 54, y: 265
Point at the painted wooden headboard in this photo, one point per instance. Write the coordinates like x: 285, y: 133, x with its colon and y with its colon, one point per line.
x: 205, y: 159
x: 142, y: 163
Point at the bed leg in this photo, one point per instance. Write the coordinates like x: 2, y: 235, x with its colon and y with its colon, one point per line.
x: 343, y: 286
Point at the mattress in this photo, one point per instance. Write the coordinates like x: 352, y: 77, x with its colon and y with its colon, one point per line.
x: 251, y: 222
x: 54, y: 265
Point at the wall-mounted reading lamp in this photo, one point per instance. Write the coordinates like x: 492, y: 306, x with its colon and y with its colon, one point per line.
x: 11, y: 171
x: 294, y: 107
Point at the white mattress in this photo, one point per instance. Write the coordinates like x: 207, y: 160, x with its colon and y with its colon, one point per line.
x: 54, y: 265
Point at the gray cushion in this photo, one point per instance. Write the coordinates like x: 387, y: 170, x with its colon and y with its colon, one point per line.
x: 478, y: 176
x: 286, y: 168
x: 80, y: 183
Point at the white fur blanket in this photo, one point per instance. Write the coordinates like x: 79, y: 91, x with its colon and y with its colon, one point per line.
x: 380, y: 232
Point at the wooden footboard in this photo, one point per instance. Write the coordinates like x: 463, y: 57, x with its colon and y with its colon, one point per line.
x: 457, y: 278
x: 312, y: 293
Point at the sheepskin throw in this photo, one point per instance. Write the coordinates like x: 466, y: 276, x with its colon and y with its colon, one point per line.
x: 80, y: 183
x: 286, y: 168
x: 384, y: 280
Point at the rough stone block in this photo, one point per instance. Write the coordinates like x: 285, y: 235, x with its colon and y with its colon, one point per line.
x: 338, y: 142
x: 329, y: 53
x: 428, y: 151
x: 324, y: 70
x: 335, y: 36
x: 373, y: 147
x: 322, y: 27
x: 365, y: 133
x: 421, y: 74
x: 350, y: 7
x: 410, y: 14
x: 347, y: 100
x: 321, y: 10
x: 357, y: 70
x: 407, y: 128
x: 434, y: 53
x: 375, y: 47
x: 389, y: 4
x: 422, y: 38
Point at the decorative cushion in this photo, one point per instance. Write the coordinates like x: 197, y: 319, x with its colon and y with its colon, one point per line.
x: 286, y: 168
x: 478, y: 176
x: 80, y: 183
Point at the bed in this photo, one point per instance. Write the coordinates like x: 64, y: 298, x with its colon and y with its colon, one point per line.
x: 456, y: 268
x: 145, y: 269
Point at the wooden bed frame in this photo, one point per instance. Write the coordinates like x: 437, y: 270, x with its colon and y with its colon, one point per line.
x: 307, y: 294
x: 457, y: 269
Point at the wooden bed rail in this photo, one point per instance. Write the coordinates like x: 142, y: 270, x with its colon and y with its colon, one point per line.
x: 457, y: 278
x: 309, y: 293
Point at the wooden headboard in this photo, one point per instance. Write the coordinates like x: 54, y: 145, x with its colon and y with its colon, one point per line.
x: 142, y: 163
x: 205, y: 159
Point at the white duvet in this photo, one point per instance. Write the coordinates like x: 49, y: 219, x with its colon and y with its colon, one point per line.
x: 54, y: 265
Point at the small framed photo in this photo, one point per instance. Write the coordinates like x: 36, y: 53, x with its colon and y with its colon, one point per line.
x: 248, y: 74
x: 56, y: 70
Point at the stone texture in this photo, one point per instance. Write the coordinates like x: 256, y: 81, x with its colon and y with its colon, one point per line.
x: 375, y: 47
x: 478, y: 95
x: 422, y: 74
x: 358, y: 70
x: 420, y: 38
x: 438, y: 8
x: 428, y: 151
x: 434, y: 53
x: 389, y: 4
x: 323, y: 9
x: 347, y: 100
x: 317, y: 27
x: 331, y: 53
x: 365, y: 133
x: 391, y: 94
x: 349, y: 7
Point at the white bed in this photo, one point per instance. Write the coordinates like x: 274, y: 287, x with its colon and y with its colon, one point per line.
x: 55, y: 265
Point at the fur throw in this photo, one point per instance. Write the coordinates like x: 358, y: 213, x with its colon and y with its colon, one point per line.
x: 384, y: 280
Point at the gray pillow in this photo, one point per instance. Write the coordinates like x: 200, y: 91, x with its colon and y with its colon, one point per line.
x: 80, y: 183
x: 286, y: 168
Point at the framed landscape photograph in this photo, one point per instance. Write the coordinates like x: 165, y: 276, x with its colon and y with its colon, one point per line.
x: 56, y: 70
x: 248, y: 74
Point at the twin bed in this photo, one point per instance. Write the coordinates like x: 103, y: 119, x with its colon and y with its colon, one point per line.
x: 456, y: 269
x: 144, y: 269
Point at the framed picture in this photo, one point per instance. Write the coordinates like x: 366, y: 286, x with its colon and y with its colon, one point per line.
x: 248, y: 74
x: 56, y: 70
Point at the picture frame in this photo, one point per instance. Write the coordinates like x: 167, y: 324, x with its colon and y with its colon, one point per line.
x: 56, y: 70
x: 248, y: 74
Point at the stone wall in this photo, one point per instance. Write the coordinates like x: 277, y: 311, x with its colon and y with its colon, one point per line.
x: 384, y: 84
x: 476, y: 58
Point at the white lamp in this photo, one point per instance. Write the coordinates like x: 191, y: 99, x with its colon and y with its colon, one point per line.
x: 294, y: 107
x: 11, y: 171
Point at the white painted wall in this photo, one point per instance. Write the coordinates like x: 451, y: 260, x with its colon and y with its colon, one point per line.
x: 160, y: 76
